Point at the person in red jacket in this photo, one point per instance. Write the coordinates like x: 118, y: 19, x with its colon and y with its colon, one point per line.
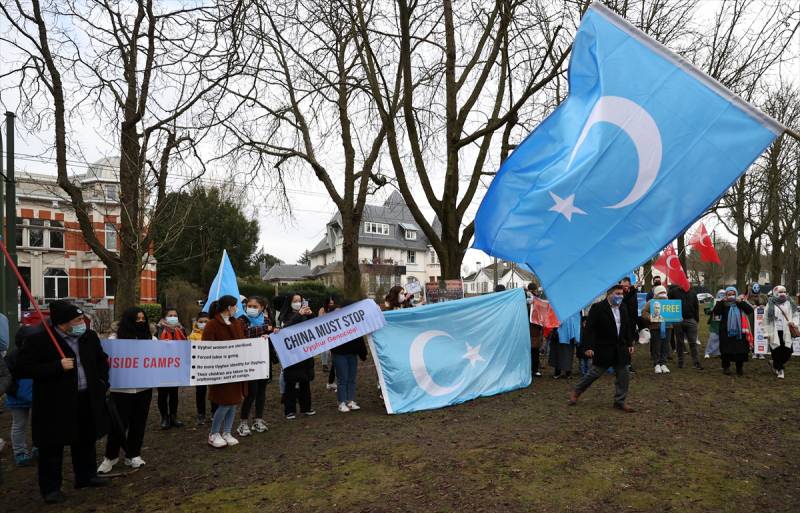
x: 169, y: 328
x: 224, y: 326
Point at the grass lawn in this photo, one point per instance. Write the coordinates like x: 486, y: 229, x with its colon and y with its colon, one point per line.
x: 700, y: 442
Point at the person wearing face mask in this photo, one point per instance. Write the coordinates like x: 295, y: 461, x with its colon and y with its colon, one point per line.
x: 660, y: 333
x: 781, y: 314
x: 69, y: 397
x: 297, y: 377
x: 200, y: 391
x: 712, y: 347
x: 169, y: 328
x: 224, y: 326
x: 656, y: 283
x: 256, y: 323
x: 396, y: 299
x: 732, y: 340
x: 608, y: 339
x: 132, y: 404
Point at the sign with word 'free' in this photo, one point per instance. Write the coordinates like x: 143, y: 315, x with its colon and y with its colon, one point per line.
x: 315, y: 336
x: 228, y: 361
x: 666, y: 310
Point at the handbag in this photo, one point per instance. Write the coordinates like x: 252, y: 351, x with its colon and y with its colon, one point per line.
x: 644, y: 336
x: 793, y: 329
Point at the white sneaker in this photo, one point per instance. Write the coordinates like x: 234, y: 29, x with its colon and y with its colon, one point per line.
x: 665, y: 369
x: 658, y: 369
x: 343, y: 408
x: 259, y: 426
x: 243, y: 429
x: 106, y: 466
x: 230, y: 440
x: 134, y: 462
x: 331, y: 386
x: 780, y: 374
x: 216, y: 440
x: 707, y: 357
x: 353, y: 406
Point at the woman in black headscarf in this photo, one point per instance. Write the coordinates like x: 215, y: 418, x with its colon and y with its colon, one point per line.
x: 132, y: 404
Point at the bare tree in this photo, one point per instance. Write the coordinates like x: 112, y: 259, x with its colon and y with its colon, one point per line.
x: 307, y: 109
x: 150, y: 77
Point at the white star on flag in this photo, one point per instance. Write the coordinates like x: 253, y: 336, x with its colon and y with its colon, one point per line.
x: 565, y: 206
x: 473, y: 354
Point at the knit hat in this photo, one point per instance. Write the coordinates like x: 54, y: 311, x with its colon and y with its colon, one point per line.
x: 659, y: 290
x: 61, y: 312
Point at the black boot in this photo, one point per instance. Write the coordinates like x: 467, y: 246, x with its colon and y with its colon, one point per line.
x: 174, y: 422
x: 165, y: 423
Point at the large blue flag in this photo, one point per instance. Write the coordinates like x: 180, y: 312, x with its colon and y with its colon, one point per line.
x: 642, y: 146
x: 224, y: 283
x: 447, y: 353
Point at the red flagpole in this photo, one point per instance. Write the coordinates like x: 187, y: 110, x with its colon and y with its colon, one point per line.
x: 27, y: 292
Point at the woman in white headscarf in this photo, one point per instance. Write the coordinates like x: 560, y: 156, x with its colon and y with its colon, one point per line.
x: 781, y: 314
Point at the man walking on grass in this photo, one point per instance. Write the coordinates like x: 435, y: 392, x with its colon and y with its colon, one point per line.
x: 608, y: 339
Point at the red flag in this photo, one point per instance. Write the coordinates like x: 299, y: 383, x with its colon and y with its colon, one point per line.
x: 701, y: 242
x: 669, y: 264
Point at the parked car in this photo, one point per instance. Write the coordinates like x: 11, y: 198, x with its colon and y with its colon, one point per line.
x: 32, y: 317
x: 705, y: 297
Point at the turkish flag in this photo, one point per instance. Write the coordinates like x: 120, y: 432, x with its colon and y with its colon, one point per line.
x: 702, y: 243
x: 669, y: 264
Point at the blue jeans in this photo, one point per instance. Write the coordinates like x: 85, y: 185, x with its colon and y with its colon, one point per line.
x: 346, y: 366
x: 222, y: 422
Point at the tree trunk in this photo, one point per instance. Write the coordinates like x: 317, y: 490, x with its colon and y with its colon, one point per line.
x: 350, y: 267
x: 127, y: 281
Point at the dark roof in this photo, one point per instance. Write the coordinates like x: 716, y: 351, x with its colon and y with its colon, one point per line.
x: 280, y: 272
x: 393, y: 212
x: 322, y: 270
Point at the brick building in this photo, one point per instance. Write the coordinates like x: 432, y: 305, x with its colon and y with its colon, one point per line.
x: 53, y: 256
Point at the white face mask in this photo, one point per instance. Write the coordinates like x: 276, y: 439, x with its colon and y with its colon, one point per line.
x: 252, y: 312
x: 201, y: 325
x: 296, y: 306
x: 172, y: 320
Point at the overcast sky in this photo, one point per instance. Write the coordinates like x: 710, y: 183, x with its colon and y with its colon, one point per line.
x: 283, y: 236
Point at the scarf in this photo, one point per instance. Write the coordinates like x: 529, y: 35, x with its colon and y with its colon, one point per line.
x: 257, y: 321
x: 734, y: 317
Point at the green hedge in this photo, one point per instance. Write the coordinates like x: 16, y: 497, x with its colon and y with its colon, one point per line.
x: 315, y: 291
x: 153, y: 311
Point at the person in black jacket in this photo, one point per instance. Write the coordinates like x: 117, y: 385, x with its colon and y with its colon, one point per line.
x: 132, y: 404
x: 68, y: 397
x: 630, y: 300
x: 608, y: 339
x: 345, y: 361
x: 687, y: 329
x: 298, y: 377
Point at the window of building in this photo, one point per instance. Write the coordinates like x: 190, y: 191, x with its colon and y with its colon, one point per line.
x: 19, y: 233
x: 111, y: 192
x: 411, y: 235
x: 111, y: 237
x: 411, y: 257
x: 110, y: 286
x: 376, y: 228
x: 56, y: 236
x: 56, y: 284
x: 433, y: 257
x: 36, y: 233
x: 378, y: 254
x: 484, y: 287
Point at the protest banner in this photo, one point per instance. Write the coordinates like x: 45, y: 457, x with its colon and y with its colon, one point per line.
x: 147, y: 363
x: 446, y: 290
x: 760, y: 345
x: 215, y: 361
x: 413, y: 287
x: 310, y: 338
x: 666, y: 310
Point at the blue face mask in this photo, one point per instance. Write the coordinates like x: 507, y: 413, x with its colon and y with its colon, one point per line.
x: 78, y: 330
x: 616, y: 300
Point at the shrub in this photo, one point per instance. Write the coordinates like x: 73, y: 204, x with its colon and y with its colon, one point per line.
x: 153, y: 311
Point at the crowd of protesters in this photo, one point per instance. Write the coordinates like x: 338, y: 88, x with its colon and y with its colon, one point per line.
x: 60, y: 390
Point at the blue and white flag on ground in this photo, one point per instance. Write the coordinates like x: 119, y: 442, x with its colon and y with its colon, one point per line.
x: 447, y: 353
x: 224, y: 283
x: 642, y: 146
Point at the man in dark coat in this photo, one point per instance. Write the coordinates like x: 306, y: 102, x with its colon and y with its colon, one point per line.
x: 68, y: 397
x: 608, y: 339
x: 687, y: 329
